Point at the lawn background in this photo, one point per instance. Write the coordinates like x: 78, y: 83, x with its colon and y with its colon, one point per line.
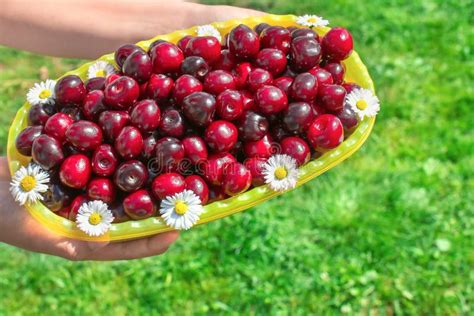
x: 390, y: 231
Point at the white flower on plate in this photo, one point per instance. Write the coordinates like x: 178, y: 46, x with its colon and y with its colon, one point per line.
x: 94, y: 218
x: 42, y: 93
x: 100, y: 69
x: 28, y: 183
x: 181, y: 210
x: 311, y: 20
x: 363, y: 102
x: 208, y: 30
x: 281, y: 172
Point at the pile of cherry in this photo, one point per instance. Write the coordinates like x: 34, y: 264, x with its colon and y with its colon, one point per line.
x: 197, y: 115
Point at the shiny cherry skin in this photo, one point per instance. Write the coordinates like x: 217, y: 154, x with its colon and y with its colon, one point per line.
x: 207, y: 47
x: 243, y: 42
x: 197, y: 184
x: 111, y: 78
x: 95, y: 83
x: 337, y: 44
x: 166, y: 58
x: 101, y: 189
x: 184, y: 41
x: 57, y: 125
x: 129, y: 142
x: 216, y: 193
x: 184, y: 86
x: 283, y: 83
x: 247, y: 101
x: 337, y: 72
x: 348, y: 119
x: 167, y: 184
x: 118, y: 212
x: 305, y: 32
x: 138, y: 66
x: 325, y: 132
x: 149, y: 146
x: 24, y: 140
x: 47, y: 151
x: 131, y: 175
x: 124, y: 51
x: 172, y: 123
x: 139, y: 205
x: 305, y: 53
x: 217, y: 81
x: 276, y: 37
x: 271, y: 100
x: 332, y: 97
x: 159, y: 87
x: 40, y: 113
x: 257, y: 78
x: 262, y: 148
x: 121, y: 93
x: 76, y: 205
x: 57, y: 197
x: 298, y: 117
x: 241, y: 73
x: 154, y: 43
x: 73, y: 112
x: 199, y: 108
x: 169, y: 154
x: 146, y: 115
x: 75, y: 171
x: 229, y: 105
x: 221, y: 136
x: 252, y: 126
x: 256, y: 166
x: 195, y: 66
x: 297, y: 148
x: 212, y: 169
x: 350, y: 86
x: 237, y: 178
x: 112, y: 122
x: 69, y: 90
x: 322, y: 75
x: 260, y: 27
x: 271, y: 59
x: 304, y: 87
x: 104, y: 160
x: 195, y: 149
x: 226, y: 62
x: 84, y: 135
x: 93, y: 105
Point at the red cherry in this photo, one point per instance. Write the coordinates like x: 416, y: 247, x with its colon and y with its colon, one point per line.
x: 104, y: 160
x: 195, y: 66
x: 184, y: 86
x: 75, y: 171
x: 138, y: 66
x: 304, y: 32
x: 297, y: 148
x: 184, y: 41
x: 40, y: 113
x: 131, y: 175
x: 278, y: 132
x: 95, y: 83
x: 304, y: 87
x: 167, y: 184
x: 56, y: 197
x: 323, y: 76
x: 260, y: 27
x: 247, y: 101
x: 332, y: 97
x: 111, y: 78
x: 129, y: 142
x: 229, y: 105
x: 305, y: 53
x: 146, y: 115
x: 252, y: 126
x: 149, y: 147
x: 112, y: 122
x: 76, y: 205
x: 261, y: 148
x: 270, y: 100
x: 139, y: 205
x: 93, y: 105
x: 276, y: 37
x: 226, y: 62
x: 337, y: 72
x: 195, y: 149
x: 257, y: 78
x: 57, y: 125
x: 237, y: 178
x: 298, y: 117
x: 207, y: 47
x: 218, y: 81
x: 337, y: 44
x: 124, y: 51
x: 24, y: 140
x: 350, y: 86
x: 169, y: 154
x: 213, y: 168
x: 118, y: 212
x: 47, y: 152
x: 84, y: 135
x: 221, y: 136
x: 326, y: 132
x: 348, y: 119
x: 256, y: 167
x: 69, y: 90
x: 241, y: 74
x: 196, y: 184
x: 159, y: 87
x: 283, y: 83
x: 172, y: 123
x: 243, y: 42
x: 166, y: 58
x: 73, y: 112
x: 199, y: 108
x: 121, y: 93
x: 271, y: 59
x: 101, y: 189
x: 216, y: 193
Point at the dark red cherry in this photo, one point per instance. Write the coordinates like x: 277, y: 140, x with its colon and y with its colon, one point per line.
x: 76, y: 205
x: 283, y: 83
x: 237, y: 178
x: 112, y: 122
x: 118, y: 212
x: 172, y: 123
x: 73, y: 112
x: 260, y: 27
x: 146, y: 115
x: 213, y: 168
x: 298, y: 117
x: 69, y: 90
x: 197, y: 184
x: 131, y: 175
x: 289, y: 72
x: 326, y: 132
x: 57, y: 125
x: 156, y: 42
x: 256, y: 166
x: 159, y: 87
x: 216, y: 193
x: 138, y: 66
x: 305, y: 32
x: 195, y: 66
x: 252, y: 126
x: 229, y: 105
x: 195, y: 149
x: 241, y: 74
x: 169, y: 153
x: 221, y: 136
x: 139, y: 205
x: 332, y: 97
x: 93, y: 105
x: 247, y: 101
x: 271, y: 59
x: 350, y: 86
x: 337, y: 72
x: 96, y: 83
x: 111, y: 78
x: 304, y: 87
x: 263, y: 148
x: 348, y: 119
x: 122, y: 93
x: 318, y: 109
x: 129, y: 142
x: 104, y: 160
x: 257, y: 78
x: 297, y: 148
x: 226, y: 61
x: 166, y: 58
x: 305, y: 53
x: 184, y: 41
x: 184, y: 86
x: 218, y: 81
x: 124, y: 51
x: 243, y: 42
x: 84, y: 135
x: 323, y: 76
x: 167, y: 184
x: 270, y: 100
x: 101, y: 189
x: 40, y: 113
x: 64, y: 212
x: 278, y: 132
x: 207, y: 47
x: 276, y: 37
x: 57, y: 197
x: 199, y: 108
x: 24, y: 140
x: 337, y: 44
x: 149, y: 146
x: 75, y: 171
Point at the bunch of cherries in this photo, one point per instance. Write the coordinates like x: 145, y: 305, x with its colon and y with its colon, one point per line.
x: 197, y: 115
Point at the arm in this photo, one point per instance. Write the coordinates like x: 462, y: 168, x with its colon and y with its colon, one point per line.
x: 90, y: 28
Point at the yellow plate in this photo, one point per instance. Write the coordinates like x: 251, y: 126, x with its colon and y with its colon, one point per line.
x: 355, y: 72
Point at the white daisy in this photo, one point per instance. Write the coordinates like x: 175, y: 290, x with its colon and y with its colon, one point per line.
x: 281, y: 172
x: 100, y: 69
x: 311, y: 20
x: 363, y: 102
x: 208, y: 30
x: 94, y: 218
x: 182, y: 210
x: 28, y: 183
x: 41, y: 93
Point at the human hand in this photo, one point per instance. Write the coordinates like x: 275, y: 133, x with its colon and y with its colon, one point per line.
x: 19, y: 229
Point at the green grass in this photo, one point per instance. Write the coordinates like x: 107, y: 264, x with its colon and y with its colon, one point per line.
x: 390, y: 231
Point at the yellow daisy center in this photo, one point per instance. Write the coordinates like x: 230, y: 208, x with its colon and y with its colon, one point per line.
x: 45, y: 94
x: 101, y: 73
x: 180, y: 208
x: 281, y: 173
x: 95, y: 218
x: 362, y: 104
x: 313, y: 20
x: 28, y: 183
